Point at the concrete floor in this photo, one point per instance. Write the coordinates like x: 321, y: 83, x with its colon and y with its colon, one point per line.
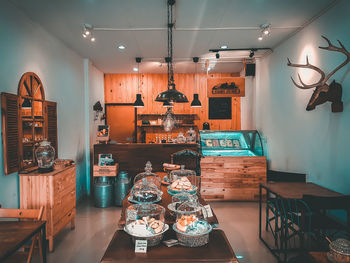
x: 95, y: 228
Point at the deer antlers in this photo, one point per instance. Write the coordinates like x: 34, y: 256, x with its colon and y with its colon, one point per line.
x: 323, y: 78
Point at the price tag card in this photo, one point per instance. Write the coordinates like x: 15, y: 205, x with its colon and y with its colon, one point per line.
x: 208, y: 210
x: 141, y: 246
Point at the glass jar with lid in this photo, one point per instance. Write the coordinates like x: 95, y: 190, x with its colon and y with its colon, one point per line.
x: 192, y: 227
x: 339, y: 251
x: 149, y: 176
x: 181, y: 138
x: 183, y: 181
x: 191, y: 135
x: 145, y: 191
x: 45, y: 155
x: 146, y: 222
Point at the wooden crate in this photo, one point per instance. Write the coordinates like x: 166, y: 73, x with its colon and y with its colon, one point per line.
x: 111, y: 170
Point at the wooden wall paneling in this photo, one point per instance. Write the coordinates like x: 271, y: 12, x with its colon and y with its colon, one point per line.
x: 122, y: 88
x: 232, y: 178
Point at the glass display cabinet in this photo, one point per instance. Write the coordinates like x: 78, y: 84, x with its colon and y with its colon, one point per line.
x: 233, y: 165
x: 231, y: 143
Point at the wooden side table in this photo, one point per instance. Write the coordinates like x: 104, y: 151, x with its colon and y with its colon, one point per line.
x: 56, y: 192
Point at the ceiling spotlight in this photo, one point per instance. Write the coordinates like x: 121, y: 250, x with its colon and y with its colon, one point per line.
x: 92, y: 39
x: 135, y: 69
x: 224, y: 47
x: 84, y: 35
x: 265, y: 29
x: 260, y: 38
x: 209, y: 68
x: 217, y: 55
x: 87, y: 32
x: 251, y: 54
x: 122, y: 47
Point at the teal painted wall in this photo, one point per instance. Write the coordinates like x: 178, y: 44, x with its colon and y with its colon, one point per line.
x: 26, y: 46
x: 315, y: 142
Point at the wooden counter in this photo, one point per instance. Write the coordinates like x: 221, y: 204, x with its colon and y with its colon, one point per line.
x: 132, y: 157
x: 232, y: 178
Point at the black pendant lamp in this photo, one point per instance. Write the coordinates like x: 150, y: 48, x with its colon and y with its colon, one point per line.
x: 138, y: 102
x: 171, y: 95
x: 196, y: 102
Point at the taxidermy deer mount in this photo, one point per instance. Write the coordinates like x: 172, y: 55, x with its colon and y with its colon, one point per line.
x: 324, y: 92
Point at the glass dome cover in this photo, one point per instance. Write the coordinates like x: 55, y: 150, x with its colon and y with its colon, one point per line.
x: 45, y: 155
x: 181, y: 138
x: 183, y: 181
x: 145, y: 220
x: 192, y: 218
x: 179, y: 198
x: 149, y: 176
x: 145, y: 192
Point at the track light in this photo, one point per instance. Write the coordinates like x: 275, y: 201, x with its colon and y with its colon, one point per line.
x: 217, y: 55
x: 224, y: 47
x: 265, y: 30
x: 87, y: 32
x: 251, y: 54
x: 260, y: 38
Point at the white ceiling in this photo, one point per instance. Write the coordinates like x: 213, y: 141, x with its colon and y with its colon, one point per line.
x: 65, y: 19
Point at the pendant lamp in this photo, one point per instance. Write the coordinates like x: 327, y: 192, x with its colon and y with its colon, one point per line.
x: 195, y: 102
x: 171, y: 94
x: 138, y: 102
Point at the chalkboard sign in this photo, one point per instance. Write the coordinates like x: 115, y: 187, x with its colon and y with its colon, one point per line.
x: 220, y: 108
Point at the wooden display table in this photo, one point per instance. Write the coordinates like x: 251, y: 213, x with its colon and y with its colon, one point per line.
x: 56, y: 192
x: 122, y: 250
x: 166, y: 199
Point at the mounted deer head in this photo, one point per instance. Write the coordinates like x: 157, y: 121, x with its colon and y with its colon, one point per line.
x: 324, y: 92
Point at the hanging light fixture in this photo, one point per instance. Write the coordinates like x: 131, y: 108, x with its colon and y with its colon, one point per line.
x: 195, y: 102
x: 138, y: 102
x: 171, y: 95
x: 169, y: 120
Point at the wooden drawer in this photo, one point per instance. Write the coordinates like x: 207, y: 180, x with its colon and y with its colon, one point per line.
x: 64, y: 180
x: 59, y: 225
x: 63, y: 206
x: 57, y: 199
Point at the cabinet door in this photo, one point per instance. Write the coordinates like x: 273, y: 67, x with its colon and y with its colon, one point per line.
x: 10, y: 132
x: 51, y: 124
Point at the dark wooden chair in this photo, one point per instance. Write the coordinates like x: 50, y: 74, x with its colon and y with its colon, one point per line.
x: 189, y: 158
x: 278, y: 176
x: 23, y: 214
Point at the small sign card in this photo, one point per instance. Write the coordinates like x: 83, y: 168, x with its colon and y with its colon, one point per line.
x: 208, y: 210
x: 141, y: 246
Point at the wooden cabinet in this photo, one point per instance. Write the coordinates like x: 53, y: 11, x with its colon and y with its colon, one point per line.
x: 27, y: 119
x: 232, y: 178
x: 56, y: 192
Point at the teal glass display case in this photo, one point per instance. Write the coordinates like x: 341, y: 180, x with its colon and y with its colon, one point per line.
x: 231, y: 143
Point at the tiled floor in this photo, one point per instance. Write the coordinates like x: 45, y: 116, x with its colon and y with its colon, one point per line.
x: 95, y: 227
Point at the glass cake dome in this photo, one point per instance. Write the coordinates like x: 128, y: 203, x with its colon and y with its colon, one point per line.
x: 146, y: 221
x: 149, y: 176
x: 192, y: 227
x: 178, y: 199
x: 145, y: 191
x: 183, y: 181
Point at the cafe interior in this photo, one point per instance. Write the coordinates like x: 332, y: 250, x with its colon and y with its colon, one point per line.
x: 175, y: 131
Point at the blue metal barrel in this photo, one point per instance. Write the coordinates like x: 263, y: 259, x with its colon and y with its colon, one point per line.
x: 103, y: 192
x: 121, y: 187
